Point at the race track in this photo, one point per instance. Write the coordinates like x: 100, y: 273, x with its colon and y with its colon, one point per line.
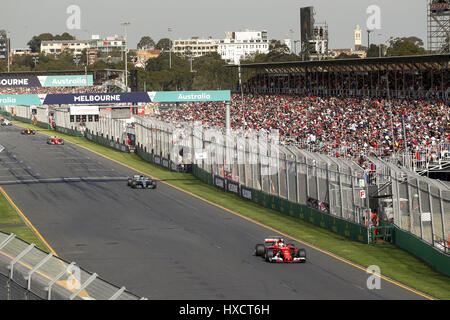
x: 163, y: 243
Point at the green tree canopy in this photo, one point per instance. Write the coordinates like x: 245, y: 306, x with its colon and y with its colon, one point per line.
x: 164, y: 44
x: 406, y: 46
x: 146, y: 42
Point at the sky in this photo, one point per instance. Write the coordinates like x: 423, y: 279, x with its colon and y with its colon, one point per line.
x: 203, y: 18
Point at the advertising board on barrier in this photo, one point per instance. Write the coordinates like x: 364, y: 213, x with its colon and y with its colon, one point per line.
x: 165, y: 163
x: 111, y: 98
x: 219, y: 182
x: 46, y: 81
x: 190, y: 96
x: 84, y: 110
x: 20, y: 100
x: 246, y: 193
x: 232, y: 187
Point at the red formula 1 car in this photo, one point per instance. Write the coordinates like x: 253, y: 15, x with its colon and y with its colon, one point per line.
x: 55, y: 140
x: 275, y: 250
x: 28, y: 131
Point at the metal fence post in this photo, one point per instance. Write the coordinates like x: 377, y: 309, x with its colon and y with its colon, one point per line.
x: 400, y: 215
x: 83, y: 286
x: 7, y: 240
x: 51, y: 283
x: 37, y: 267
x: 411, y: 214
x: 420, y: 208
x: 442, y: 214
x: 117, y: 294
x: 340, y: 191
x: 18, y: 257
x: 430, y: 201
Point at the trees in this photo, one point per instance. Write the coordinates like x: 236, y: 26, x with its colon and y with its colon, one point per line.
x: 146, y: 43
x: 164, y: 44
x: 343, y: 55
x: 406, y: 46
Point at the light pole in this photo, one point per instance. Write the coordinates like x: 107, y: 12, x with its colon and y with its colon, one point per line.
x: 379, y: 45
x: 170, y: 49
x: 126, y: 24
x: 8, y: 49
x: 35, y: 60
x: 76, y: 60
x: 368, y: 39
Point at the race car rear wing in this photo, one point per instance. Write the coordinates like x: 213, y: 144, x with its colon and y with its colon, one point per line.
x: 273, y: 239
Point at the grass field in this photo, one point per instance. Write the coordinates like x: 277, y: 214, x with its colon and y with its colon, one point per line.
x: 11, y: 222
x: 394, y: 262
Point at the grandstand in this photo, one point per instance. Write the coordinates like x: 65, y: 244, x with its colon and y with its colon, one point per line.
x: 416, y: 77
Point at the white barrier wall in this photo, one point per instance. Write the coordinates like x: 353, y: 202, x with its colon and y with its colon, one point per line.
x: 42, y: 114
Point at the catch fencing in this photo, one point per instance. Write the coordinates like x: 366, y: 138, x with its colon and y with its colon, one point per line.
x: 414, y: 203
x: 28, y: 273
x: 334, y: 186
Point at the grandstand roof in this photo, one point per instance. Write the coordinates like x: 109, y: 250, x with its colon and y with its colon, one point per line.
x: 423, y: 62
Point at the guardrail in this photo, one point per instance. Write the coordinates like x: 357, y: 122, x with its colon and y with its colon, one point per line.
x: 28, y: 273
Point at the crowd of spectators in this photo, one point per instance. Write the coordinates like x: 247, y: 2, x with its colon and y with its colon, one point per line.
x: 341, y: 126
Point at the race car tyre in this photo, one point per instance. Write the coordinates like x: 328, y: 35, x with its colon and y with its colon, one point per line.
x: 129, y: 182
x: 269, y: 255
x: 301, y: 253
x: 259, y: 250
x: 133, y: 184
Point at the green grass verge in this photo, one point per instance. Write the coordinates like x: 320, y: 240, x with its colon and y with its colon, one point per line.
x: 9, y: 216
x: 394, y: 262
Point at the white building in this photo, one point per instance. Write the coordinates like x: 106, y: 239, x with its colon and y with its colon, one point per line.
x: 195, y: 47
x: 358, y: 38
x: 108, y: 44
x: 241, y: 44
x: 75, y: 47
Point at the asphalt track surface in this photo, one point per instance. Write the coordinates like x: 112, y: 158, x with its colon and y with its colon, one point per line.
x: 163, y: 243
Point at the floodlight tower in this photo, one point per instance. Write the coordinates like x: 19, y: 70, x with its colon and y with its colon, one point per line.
x: 438, y: 26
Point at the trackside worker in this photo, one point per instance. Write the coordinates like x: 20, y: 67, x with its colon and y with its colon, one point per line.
x: 375, y: 222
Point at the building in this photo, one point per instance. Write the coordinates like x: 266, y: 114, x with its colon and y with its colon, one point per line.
x: 241, y: 44
x: 358, y: 38
x: 21, y: 52
x: 195, y: 47
x: 104, y: 47
x: 142, y: 56
x: 4, y: 45
x: 92, y: 55
x: 108, y: 45
x: 57, y: 47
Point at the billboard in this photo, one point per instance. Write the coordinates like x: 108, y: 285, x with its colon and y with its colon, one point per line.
x: 46, y: 81
x: 114, y: 98
x: 84, y: 110
x: 190, y: 96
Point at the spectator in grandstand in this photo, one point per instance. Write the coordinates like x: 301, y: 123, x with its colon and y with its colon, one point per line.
x: 343, y: 127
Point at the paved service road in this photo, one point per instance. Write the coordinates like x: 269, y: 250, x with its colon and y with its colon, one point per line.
x: 163, y: 243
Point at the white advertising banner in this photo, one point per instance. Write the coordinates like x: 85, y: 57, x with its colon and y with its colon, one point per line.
x: 84, y: 110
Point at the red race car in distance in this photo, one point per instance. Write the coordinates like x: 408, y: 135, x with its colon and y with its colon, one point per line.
x: 55, y: 140
x: 275, y: 249
x: 28, y: 131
